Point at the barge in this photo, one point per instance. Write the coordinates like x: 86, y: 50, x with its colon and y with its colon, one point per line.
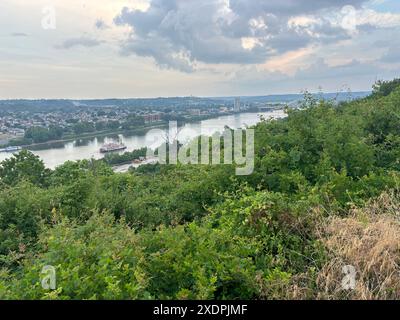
x: 111, y: 147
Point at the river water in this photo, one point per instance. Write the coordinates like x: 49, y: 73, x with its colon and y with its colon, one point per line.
x: 55, y: 154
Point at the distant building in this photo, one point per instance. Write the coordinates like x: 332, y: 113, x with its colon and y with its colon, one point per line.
x: 195, y: 112
x: 17, y: 132
x: 150, y: 118
x: 4, y: 139
x: 237, y: 105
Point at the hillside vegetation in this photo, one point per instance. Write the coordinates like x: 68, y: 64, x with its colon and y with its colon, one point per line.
x: 324, y: 194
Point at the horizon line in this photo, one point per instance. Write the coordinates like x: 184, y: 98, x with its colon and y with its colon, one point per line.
x: 190, y: 96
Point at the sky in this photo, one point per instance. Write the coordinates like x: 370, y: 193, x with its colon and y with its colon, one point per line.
x: 89, y: 49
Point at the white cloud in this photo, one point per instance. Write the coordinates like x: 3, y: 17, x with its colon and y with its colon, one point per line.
x: 200, y: 47
x: 234, y: 32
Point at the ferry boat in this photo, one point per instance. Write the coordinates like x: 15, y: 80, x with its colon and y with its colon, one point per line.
x: 111, y: 147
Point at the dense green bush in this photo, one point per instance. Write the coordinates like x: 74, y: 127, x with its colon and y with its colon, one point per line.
x: 97, y: 260
x: 185, y: 231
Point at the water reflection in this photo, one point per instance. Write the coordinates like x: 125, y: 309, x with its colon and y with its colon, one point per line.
x: 54, y: 154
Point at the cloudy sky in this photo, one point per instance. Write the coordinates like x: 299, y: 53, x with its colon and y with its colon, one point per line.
x: 150, y: 48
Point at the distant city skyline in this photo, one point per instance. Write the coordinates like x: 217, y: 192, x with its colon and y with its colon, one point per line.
x: 74, y: 49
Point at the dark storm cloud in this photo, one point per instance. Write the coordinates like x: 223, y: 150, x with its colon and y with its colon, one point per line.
x: 285, y: 8
x: 78, y: 42
x: 177, y: 33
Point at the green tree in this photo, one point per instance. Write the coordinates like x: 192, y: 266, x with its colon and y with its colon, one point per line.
x: 384, y: 88
x: 23, y: 166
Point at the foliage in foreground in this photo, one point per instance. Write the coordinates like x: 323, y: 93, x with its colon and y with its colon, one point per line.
x: 186, y: 232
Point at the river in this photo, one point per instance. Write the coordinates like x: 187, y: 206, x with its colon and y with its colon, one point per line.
x: 55, y: 154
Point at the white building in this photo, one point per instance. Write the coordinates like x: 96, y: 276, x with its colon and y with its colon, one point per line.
x: 237, y: 105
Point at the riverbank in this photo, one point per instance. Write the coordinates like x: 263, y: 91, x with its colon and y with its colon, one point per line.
x: 91, y: 135
x: 54, y: 154
x: 124, y: 167
x: 141, y: 130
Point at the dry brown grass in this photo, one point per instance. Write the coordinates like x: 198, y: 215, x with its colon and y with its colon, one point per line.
x: 369, y: 240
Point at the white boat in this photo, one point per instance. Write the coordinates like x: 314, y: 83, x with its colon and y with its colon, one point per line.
x: 110, y: 147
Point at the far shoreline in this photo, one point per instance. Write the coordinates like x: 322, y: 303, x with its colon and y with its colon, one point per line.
x: 133, y: 131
